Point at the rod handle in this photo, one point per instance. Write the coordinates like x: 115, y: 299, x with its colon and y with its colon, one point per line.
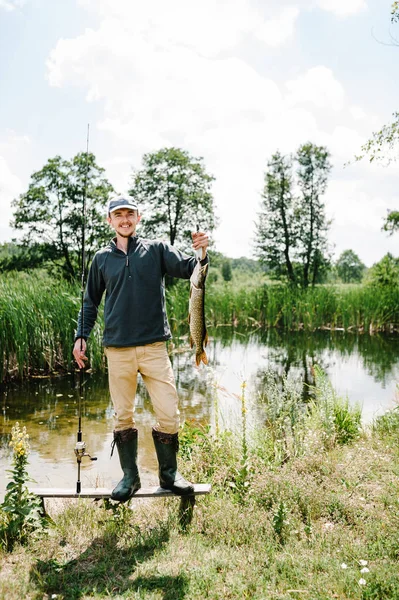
x: 198, y: 253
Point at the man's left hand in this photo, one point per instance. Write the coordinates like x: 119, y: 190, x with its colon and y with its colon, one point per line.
x: 200, y: 240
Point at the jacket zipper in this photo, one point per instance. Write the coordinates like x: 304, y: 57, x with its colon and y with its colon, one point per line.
x: 127, y: 266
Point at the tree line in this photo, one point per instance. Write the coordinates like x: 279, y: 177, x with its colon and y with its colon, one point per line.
x: 174, y: 191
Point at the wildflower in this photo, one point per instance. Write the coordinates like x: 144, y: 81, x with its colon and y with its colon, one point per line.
x: 19, y: 441
x: 362, y: 581
x: 344, y: 566
x: 365, y: 570
x: 363, y: 563
x: 21, y: 507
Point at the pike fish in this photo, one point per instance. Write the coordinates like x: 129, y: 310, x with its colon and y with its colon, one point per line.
x: 196, y: 313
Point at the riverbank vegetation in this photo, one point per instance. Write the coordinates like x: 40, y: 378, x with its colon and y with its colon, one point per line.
x: 38, y: 314
x: 294, y: 284
x: 306, y: 506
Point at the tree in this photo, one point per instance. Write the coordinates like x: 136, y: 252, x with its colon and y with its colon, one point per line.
x: 381, y: 147
x: 22, y: 257
x: 385, y: 273
x: 392, y: 222
x: 50, y: 212
x: 174, y: 195
x: 291, y: 232
x: 312, y: 175
x: 382, y: 144
x: 276, y: 235
x: 350, y: 267
x: 227, y: 273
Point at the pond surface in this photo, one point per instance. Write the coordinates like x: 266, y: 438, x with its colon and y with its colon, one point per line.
x: 363, y: 368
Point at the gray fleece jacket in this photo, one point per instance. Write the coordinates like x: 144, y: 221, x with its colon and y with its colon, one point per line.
x: 134, y: 310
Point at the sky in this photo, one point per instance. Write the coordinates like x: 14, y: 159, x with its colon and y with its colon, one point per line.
x: 231, y: 81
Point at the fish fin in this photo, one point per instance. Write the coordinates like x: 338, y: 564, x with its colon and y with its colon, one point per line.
x: 201, y: 356
x: 206, y: 339
x: 191, y: 342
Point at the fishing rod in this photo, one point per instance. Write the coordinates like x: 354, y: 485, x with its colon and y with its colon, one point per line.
x: 80, y: 448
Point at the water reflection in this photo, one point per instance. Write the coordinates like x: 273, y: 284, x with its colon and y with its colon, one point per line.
x: 363, y: 367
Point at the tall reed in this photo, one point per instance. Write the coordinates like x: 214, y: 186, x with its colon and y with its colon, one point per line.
x: 37, y: 325
x: 348, y: 307
x: 38, y: 315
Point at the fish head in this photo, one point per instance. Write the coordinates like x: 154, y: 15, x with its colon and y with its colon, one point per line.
x: 199, y: 275
x: 203, y: 272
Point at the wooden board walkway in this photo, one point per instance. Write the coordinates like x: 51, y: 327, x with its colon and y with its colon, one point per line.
x: 98, y: 493
x: 186, y: 507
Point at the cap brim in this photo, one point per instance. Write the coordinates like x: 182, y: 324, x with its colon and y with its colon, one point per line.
x: 121, y: 206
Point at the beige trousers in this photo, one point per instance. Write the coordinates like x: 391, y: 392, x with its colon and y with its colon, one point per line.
x: 152, y: 362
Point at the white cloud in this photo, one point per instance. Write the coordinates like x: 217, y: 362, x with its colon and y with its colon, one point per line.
x: 10, y: 184
x: 10, y: 188
x: 208, y: 27
x: 318, y: 86
x: 151, y: 92
x: 11, y: 148
x: 173, y: 74
x: 279, y: 29
x: 10, y: 5
x: 342, y: 8
x: 64, y: 64
x: 351, y: 205
x: 138, y: 33
x: 360, y: 206
x: 357, y: 112
x: 344, y: 143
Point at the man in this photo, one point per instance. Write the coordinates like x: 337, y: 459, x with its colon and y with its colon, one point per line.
x: 131, y: 271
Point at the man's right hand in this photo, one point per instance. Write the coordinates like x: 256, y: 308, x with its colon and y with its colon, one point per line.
x: 79, y: 352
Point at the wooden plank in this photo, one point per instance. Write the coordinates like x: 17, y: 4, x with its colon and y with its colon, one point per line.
x: 150, y: 492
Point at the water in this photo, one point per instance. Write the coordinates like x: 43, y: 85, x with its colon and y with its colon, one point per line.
x: 363, y: 368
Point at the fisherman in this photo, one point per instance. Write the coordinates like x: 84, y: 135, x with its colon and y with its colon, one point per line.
x: 131, y: 271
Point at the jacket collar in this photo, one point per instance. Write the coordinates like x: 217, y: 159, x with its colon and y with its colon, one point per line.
x: 132, y: 242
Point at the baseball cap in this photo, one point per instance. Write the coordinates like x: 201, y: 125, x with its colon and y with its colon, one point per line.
x: 122, y: 202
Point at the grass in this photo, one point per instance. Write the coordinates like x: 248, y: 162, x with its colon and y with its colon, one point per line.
x: 38, y: 315
x: 318, y: 523
x: 293, y: 531
x: 357, y: 307
x: 38, y: 320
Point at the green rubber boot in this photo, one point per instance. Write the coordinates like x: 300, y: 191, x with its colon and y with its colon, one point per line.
x: 126, y: 442
x: 167, y: 446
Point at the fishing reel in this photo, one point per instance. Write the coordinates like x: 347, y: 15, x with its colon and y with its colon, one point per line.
x: 80, y: 451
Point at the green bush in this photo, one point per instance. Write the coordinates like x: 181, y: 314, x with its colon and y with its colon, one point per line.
x: 339, y: 421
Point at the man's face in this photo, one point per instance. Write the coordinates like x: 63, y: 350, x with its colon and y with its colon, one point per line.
x: 124, y: 221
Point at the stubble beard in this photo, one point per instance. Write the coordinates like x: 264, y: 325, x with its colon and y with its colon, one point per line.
x: 126, y: 235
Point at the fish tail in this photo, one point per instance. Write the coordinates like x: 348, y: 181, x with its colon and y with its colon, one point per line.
x: 201, y: 356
